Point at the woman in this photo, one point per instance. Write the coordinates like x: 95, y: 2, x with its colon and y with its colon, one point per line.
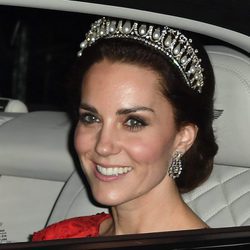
x: 144, y: 134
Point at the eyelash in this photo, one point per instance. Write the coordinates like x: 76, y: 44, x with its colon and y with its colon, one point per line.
x: 84, y: 118
x: 140, y: 123
x: 89, y: 118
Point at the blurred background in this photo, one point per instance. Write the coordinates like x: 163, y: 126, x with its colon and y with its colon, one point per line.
x: 37, y: 49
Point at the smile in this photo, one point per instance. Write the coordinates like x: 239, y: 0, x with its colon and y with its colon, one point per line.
x: 113, y: 171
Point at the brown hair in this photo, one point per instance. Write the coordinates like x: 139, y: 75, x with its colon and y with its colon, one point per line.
x: 189, y: 105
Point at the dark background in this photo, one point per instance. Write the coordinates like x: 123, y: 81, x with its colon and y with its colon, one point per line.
x: 230, y: 14
x: 38, y: 47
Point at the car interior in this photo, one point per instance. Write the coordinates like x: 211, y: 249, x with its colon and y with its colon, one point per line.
x: 40, y: 178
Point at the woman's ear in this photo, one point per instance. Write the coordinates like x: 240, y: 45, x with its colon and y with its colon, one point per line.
x: 186, y: 137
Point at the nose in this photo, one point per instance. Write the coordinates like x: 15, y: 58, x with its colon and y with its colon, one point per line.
x: 107, y: 142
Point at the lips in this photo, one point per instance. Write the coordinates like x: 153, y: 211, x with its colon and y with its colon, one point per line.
x: 112, y: 171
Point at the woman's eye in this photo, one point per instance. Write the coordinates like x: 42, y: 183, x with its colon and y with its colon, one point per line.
x: 87, y: 118
x: 135, y: 123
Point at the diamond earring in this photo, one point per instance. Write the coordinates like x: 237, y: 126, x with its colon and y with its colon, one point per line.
x: 175, y: 167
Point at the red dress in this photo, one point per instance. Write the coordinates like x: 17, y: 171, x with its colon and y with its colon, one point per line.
x: 79, y: 227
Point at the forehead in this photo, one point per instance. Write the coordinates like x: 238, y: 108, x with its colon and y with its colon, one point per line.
x: 122, y: 78
x: 110, y: 86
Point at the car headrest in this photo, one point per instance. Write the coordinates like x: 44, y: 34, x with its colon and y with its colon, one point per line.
x: 35, y: 145
x: 232, y: 100
x: 12, y: 105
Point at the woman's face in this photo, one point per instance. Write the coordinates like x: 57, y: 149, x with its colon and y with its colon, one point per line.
x: 126, y: 133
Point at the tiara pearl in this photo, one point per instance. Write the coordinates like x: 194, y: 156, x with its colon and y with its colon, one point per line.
x: 172, y: 43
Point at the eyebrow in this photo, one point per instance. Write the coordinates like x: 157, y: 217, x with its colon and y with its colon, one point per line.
x: 123, y: 111
x: 126, y: 111
x: 88, y: 108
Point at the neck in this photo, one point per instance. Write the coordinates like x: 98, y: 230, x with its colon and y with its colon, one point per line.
x: 158, y: 210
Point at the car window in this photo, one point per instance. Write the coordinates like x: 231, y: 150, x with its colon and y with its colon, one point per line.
x: 37, y: 49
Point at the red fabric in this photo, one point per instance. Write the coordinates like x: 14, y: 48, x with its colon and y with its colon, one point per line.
x: 79, y: 227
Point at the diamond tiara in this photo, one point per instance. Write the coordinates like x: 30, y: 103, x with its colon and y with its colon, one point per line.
x: 172, y: 43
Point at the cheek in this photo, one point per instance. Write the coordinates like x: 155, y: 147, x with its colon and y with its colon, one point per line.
x: 82, y: 140
x: 150, y: 149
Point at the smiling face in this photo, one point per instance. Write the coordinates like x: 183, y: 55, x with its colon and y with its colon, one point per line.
x: 126, y: 133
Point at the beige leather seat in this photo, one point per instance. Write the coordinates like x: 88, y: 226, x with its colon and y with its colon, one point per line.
x: 224, y: 199
x: 34, y: 166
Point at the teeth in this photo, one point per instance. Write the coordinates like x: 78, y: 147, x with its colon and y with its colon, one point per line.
x: 113, y: 171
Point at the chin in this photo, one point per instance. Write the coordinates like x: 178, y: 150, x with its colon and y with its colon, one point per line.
x: 109, y: 199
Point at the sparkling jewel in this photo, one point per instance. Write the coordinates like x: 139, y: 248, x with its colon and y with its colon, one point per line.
x: 126, y: 27
x: 92, y: 38
x: 156, y: 34
x: 192, y: 69
x: 112, y: 27
x: 84, y: 44
x: 142, y: 30
x: 183, y: 59
x: 102, y: 31
x: 176, y: 47
x: 196, y: 76
x: 168, y: 41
